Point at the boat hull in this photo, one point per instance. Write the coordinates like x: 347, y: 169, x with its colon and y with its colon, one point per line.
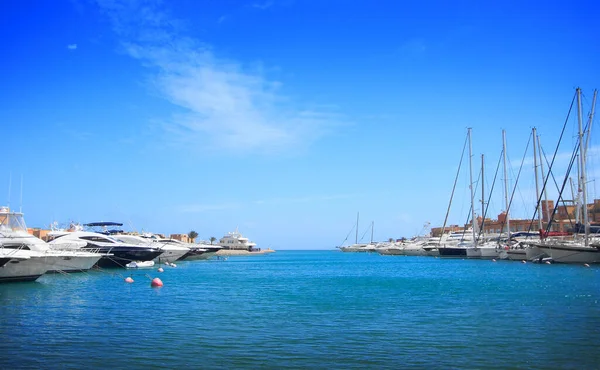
x: 452, y: 252
x: 571, y: 253
x: 23, y: 270
x: 119, y: 258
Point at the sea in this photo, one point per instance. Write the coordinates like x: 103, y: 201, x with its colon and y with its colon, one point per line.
x: 308, y: 310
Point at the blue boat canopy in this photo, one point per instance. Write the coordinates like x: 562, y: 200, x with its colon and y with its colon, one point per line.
x: 102, y: 224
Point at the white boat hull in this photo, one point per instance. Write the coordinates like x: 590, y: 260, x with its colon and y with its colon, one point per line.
x: 565, y: 253
x: 23, y: 270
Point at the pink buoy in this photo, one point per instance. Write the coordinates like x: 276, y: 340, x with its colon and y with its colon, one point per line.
x: 129, y: 279
x: 160, y: 269
x: 156, y: 282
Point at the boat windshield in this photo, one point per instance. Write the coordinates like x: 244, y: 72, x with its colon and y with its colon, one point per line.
x: 12, y: 222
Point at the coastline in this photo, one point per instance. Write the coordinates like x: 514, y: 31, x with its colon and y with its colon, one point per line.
x: 242, y: 252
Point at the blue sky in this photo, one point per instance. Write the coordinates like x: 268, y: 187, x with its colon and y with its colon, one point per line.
x: 283, y: 118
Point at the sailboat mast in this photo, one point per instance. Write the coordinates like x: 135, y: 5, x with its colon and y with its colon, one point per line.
x: 547, y: 215
x: 482, y: 196
x: 537, y: 185
x: 471, y: 185
x: 356, y: 237
x: 590, y: 120
x: 372, y: 226
x: 505, y: 182
x: 583, y: 180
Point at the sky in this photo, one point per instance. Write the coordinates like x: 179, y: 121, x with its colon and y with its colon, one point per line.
x: 287, y: 118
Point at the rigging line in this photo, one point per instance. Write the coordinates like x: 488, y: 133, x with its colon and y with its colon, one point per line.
x: 454, y: 188
x: 556, y: 151
x: 517, y: 179
x: 573, y: 158
x: 491, y: 191
x: 347, y: 236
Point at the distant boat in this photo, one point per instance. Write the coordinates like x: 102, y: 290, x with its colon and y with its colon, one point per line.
x: 235, y: 240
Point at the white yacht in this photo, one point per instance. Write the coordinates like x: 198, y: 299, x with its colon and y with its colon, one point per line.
x: 14, y: 235
x: 171, y: 251
x: 235, y: 240
x: 195, y: 251
x: 115, y: 253
x: 21, y: 265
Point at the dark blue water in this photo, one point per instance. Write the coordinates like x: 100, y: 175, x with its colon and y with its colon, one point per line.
x: 309, y: 309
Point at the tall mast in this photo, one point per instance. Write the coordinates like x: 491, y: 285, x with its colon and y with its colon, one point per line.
x: 471, y: 186
x: 505, y: 182
x: 583, y: 180
x: 372, y: 226
x: 537, y: 186
x: 356, y: 237
x: 590, y: 120
x: 547, y: 215
x: 482, y: 197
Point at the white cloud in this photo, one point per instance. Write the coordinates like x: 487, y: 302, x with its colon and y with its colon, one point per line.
x: 263, y: 6
x: 72, y: 46
x: 224, y: 104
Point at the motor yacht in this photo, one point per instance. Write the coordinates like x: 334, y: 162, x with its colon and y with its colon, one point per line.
x: 115, y: 253
x: 14, y: 235
x: 171, y: 252
x: 235, y: 240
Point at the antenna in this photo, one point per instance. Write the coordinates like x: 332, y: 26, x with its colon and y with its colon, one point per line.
x: 9, y: 184
x: 21, y: 201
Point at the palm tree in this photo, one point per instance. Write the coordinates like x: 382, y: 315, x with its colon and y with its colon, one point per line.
x: 212, y: 239
x: 192, y: 235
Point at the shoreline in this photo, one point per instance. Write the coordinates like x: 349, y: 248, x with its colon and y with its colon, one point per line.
x: 241, y: 252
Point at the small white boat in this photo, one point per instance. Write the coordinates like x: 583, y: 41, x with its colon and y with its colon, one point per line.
x: 139, y: 264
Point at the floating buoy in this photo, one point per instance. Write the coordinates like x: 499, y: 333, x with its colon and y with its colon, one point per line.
x: 160, y: 269
x: 129, y: 279
x: 156, y: 282
x: 586, y: 265
x: 548, y: 263
x: 493, y: 260
x: 173, y: 265
x: 523, y: 261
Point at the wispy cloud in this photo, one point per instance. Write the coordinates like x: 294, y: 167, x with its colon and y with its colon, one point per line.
x: 263, y: 6
x: 223, y: 103
x: 72, y: 46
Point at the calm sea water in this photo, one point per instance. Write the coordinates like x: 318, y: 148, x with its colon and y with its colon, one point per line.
x: 308, y: 309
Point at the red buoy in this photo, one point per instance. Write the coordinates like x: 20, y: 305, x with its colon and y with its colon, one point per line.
x: 156, y: 282
x: 128, y: 279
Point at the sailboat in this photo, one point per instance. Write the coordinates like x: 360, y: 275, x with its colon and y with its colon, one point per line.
x: 460, y: 249
x: 581, y: 249
x: 360, y: 247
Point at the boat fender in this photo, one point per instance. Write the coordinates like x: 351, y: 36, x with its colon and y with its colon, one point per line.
x: 156, y: 283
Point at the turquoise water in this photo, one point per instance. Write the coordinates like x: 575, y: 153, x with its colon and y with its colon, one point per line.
x: 308, y: 309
